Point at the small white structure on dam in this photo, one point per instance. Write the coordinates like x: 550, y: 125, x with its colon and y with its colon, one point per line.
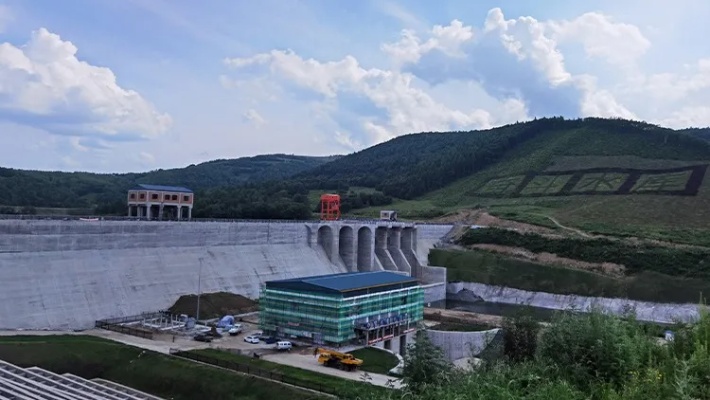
x: 63, y: 275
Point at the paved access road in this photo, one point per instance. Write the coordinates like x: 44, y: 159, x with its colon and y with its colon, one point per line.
x: 310, y: 363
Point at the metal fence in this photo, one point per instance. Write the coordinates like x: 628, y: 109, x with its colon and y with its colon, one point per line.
x: 116, y: 324
x: 256, y: 371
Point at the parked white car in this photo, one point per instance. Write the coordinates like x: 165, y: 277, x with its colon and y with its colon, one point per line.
x: 235, y: 330
x: 251, y: 339
x: 284, y: 345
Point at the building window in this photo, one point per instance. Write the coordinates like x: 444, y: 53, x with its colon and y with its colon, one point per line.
x: 142, y: 196
x: 167, y: 197
x: 154, y: 197
x: 133, y: 196
x: 174, y: 197
x: 185, y: 198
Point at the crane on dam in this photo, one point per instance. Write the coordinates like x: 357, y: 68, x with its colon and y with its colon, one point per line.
x: 329, y: 207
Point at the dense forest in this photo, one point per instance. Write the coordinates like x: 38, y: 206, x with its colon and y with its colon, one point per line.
x: 19, y: 188
x: 277, y: 186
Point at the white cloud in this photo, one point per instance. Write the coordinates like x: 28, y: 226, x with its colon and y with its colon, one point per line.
x: 403, y: 103
x: 44, y: 84
x: 600, y: 102
x: 525, y: 37
x: 253, y: 117
x: 408, y: 108
x: 617, y: 43
x: 447, y: 39
x: 688, y: 117
x: 146, y: 158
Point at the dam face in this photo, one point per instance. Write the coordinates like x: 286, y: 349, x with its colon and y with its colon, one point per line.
x: 64, y: 275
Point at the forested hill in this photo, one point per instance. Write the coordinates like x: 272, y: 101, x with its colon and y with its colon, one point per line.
x: 702, y: 133
x: 86, y: 190
x: 441, y: 171
x: 413, y: 165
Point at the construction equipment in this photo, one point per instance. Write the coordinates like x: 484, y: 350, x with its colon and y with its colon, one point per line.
x: 336, y: 359
x: 330, y: 207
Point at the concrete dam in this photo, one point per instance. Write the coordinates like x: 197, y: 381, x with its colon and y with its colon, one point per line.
x: 65, y: 275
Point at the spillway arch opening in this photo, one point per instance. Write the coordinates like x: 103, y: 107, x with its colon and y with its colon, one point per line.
x: 364, y: 249
x: 325, y: 239
x: 381, y: 237
x: 346, y: 246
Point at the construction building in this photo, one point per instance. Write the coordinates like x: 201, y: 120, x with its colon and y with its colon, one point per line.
x: 160, y: 202
x: 368, y: 308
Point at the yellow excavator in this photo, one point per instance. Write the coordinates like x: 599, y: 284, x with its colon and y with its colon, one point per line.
x: 336, y: 359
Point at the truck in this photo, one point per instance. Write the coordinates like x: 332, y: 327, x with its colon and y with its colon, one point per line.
x: 336, y: 359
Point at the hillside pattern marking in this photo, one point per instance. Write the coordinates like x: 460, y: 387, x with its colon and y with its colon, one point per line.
x: 681, y: 181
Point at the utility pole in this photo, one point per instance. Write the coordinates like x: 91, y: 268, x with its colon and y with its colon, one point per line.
x: 199, y: 289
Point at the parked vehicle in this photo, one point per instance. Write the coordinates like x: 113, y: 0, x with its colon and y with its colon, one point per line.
x: 269, y: 339
x: 251, y: 339
x: 235, y: 330
x: 284, y: 345
x: 201, y: 337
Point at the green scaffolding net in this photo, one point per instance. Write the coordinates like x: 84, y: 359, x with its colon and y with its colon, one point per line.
x: 339, y: 319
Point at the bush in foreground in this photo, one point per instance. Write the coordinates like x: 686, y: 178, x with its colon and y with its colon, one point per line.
x: 583, y: 356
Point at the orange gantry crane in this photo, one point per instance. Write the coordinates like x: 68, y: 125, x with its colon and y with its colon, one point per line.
x: 330, y: 207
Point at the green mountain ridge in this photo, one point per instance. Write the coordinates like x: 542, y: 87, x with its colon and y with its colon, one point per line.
x: 602, y: 175
x: 87, y: 190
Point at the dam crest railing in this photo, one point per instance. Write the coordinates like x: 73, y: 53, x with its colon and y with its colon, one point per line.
x: 91, y: 218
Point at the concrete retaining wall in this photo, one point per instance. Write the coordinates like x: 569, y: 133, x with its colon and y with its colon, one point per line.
x: 72, y: 289
x: 458, y: 345
x: 427, y: 237
x: 434, y: 294
x: 646, y: 311
x: 67, y: 274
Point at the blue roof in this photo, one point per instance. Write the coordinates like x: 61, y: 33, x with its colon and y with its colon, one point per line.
x: 160, y: 188
x: 346, y: 282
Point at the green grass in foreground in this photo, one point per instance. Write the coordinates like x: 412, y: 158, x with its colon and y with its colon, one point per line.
x: 151, y: 372
x: 494, y: 269
x: 375, y: 360
x: 344, y: 388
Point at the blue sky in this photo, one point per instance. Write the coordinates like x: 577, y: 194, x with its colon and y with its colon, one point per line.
x: 132, y: 85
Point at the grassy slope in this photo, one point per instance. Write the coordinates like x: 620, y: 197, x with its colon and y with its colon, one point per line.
x: 375, y: 360
x: 343, y: 387
x: 163, y: 376
x: 498, y: 270
x: 685, y: 219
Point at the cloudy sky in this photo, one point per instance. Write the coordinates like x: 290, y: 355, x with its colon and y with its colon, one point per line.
x: 131, y: 85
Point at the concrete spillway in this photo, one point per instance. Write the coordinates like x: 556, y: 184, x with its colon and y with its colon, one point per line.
x: 67, y: 274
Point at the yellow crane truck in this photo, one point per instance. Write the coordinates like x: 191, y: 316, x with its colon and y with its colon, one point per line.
x: 336, y: 359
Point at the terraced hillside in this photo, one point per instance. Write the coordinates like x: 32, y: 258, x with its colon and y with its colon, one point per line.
x: 609, y: 179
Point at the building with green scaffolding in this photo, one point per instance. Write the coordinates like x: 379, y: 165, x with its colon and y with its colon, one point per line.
x: 367, y: 308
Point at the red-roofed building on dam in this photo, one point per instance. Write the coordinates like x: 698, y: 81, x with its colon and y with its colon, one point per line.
x: 160, y: 202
